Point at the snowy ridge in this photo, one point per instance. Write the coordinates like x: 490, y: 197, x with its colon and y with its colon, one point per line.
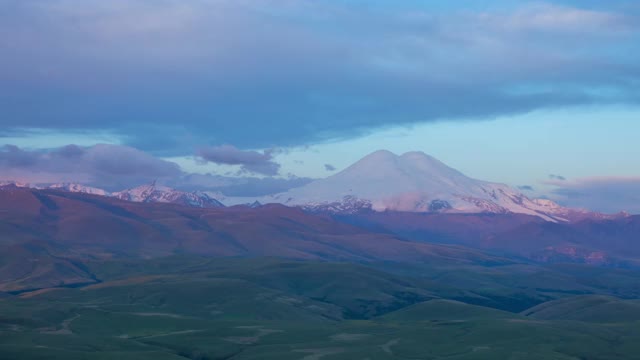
x: 150, y: 193
x: 348, y: 205
x: 79, y: 189
x: 153, y: 193
x: 4, y: 184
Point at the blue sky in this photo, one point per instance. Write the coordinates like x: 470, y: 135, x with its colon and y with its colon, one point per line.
x: 504, y: 90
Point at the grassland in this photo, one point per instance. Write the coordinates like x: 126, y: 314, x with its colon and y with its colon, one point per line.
x: 197, y: 308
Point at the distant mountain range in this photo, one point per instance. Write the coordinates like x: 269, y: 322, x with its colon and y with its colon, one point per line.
x: 149, y: 193
x: 381, y: 181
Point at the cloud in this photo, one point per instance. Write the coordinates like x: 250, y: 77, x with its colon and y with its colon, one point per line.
x: 329, y: 167
x: 69, y: 151
x: 560, y: 18
x: 259, y: 74
x: 250, y: 161
x: 526, y: 187
x: 605, y: 194
x: 115, y: 167
x: 557, y: 177
x: 13, y: 156
x: 127, y: 161
x: 109, y: 166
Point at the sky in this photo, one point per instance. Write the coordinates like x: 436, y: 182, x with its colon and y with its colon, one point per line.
x: 256, y: 96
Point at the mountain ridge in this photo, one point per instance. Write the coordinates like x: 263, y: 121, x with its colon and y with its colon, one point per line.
x: 380, y: 181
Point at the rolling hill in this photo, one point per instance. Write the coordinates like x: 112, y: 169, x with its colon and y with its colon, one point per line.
x: 588, y: 308
x: 608, y: 242
x: 188, y: 307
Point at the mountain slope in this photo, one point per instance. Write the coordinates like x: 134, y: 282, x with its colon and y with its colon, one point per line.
x: 610, y: 242
x: 590, y: 308
x: 104, y: 227
x: 38, y: 264
x: 442, y: 310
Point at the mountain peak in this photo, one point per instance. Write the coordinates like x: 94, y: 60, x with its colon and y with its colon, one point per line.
x: 377, y: 157
x: 407, y: 170
x: 382, y: 153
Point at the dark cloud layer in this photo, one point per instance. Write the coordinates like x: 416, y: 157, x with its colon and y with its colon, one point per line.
x: 329, y: 167
x: 169, y: 74
x: 557, y: 177
x: 13, y: 156
x: 250, y: 161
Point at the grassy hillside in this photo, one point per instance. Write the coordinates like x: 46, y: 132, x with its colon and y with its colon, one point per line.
x: 591, y: 308
x: 446, y: 310
x: 199, y: 308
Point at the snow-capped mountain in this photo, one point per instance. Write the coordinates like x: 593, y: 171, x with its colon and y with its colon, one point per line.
x: 4, y: 184
x: 413, y: 182
x: 79, y: 189
x: 152, y: 193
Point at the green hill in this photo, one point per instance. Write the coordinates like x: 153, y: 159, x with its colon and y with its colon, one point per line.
x: 589, y: 308
x: 446, y: 310
x: 196, y: 308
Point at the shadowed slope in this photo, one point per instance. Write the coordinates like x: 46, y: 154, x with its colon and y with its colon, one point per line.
x: 590, y: 308
x: 611, y: 242
x: 443, y: 310
x: 88, y: 226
